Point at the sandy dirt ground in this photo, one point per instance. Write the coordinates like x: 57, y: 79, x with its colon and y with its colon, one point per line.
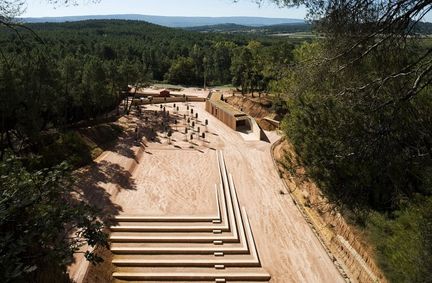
x: 156, y: 177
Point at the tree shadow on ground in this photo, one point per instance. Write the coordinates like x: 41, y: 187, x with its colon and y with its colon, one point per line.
x: 90, y: 184
x: 153, y: 123
x: 124, y: 145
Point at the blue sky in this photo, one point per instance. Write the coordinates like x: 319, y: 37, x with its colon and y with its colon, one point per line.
x: 216, y: 8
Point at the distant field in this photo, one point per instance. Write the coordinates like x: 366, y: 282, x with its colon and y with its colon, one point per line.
x: 296, y: 35
x: 172, y: 86
x: 264, y: 30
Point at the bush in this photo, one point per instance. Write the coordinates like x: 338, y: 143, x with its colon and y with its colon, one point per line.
x: 70, y: 147
x: 403, y: 242
x: 77, y: 148
x: 41, y: 223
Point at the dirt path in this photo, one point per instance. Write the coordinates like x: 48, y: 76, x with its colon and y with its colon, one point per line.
x: 174, y: 179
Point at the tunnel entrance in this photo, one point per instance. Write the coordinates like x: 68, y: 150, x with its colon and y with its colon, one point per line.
x: 243, y: 125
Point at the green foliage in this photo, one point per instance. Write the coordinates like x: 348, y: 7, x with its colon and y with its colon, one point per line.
x: 403, y: 242
x: 363, y: 132
x: 264, y: 30
x: 40, y: 222
x: 182, y: 71
x: 77, y: 147
x: 69, y: 146
x: 242, y: 69
x: 364, y: 155
x: 279, y: 106
x: 81, y: 70
x: 220, y: 60
x: 74, y: 74
x: 259, y: 68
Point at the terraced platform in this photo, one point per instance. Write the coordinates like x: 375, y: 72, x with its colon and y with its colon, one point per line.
x: 214, y: 249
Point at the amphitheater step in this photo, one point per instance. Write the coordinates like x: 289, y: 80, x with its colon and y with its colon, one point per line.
x: 245, y: 275
x: 167, y: 224
x: 210, y: 249
x: 168, y: 228
x: 176, y: 219
x: 215, y: 249
x: 187, y: 261
x: 136, y: 257
x: 170, y: 245
x: 173, y: 238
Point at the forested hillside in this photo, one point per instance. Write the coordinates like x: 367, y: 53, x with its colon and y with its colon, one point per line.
x: 56, y: 77
x: 357, y: 102
x: 359, y: 117
x: 170, y: 21
x: 265, y: 30
x: 74, y: 71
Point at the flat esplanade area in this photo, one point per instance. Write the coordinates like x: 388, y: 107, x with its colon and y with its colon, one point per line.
x: 177, y: 176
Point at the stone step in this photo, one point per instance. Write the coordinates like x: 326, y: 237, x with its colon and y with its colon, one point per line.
x: 168, y: 224
x: 173, y: 237
x: 178, y: 250
x: 193, y: 274
x: 182, y: 237
x: 171, y: 227
x: 181, y: 257
x: 187, y: 249
x: 225, y: 221
x: 188, y: 263
x: 235, y: 236
x: 164, y: 219
x: 231, y: 260
x: 163, y: 223
x: 245, y: 240
x: 169, y: 248
x: 176, y: 220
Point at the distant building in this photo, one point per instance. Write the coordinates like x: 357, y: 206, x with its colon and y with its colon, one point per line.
x: 164, y: 93
x: 233, y: 118
x: 152, y: 93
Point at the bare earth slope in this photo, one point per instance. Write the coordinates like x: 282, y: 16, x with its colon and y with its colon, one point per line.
x: 174, y: 179
x: 257, y: 107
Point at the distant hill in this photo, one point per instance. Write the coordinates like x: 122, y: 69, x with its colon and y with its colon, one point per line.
x: 269, y: 29
x: 173, y: 21
x: 424, y: 28
x: 228, y: 27
x: 421, y: 28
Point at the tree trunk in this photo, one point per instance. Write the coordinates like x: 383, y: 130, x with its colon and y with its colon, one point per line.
x: 2, y: 147
x: 126, y: 104
x: 133, y: 97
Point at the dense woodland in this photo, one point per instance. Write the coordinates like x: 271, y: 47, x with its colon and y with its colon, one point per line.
x: 357, y: 98
x: 361, y: 123
x: 77, y: 70
x: 264, y: 30
x: 54, y: 77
